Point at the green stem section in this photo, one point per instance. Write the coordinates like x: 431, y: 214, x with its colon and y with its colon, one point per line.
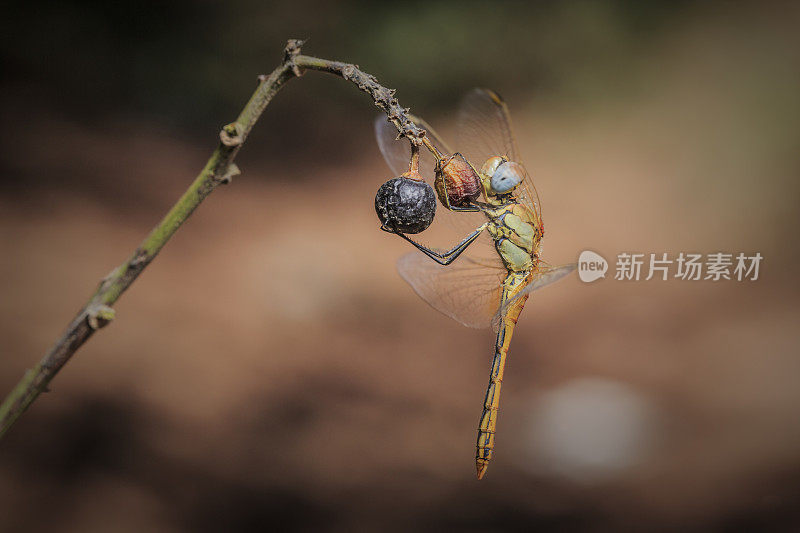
x: 218, y: 170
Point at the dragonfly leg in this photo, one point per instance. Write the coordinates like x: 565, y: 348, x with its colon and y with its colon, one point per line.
x: 444, y: 258
x: 466, y: 209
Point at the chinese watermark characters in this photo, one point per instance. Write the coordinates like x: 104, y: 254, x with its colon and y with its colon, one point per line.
x: 687, y: 266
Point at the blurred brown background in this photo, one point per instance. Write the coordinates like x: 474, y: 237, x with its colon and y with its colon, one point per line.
x: 271, y: 369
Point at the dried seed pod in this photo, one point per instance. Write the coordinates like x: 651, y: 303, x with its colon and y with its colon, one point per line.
x: 456, y: 181
x: 405, y: 204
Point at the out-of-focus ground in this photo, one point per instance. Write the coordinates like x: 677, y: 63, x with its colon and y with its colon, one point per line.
x: 271, y: 368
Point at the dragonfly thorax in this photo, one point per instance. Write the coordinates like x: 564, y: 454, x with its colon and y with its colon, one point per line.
x: 516, y: 235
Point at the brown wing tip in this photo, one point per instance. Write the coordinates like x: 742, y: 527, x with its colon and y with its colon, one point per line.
x: 496, y: 98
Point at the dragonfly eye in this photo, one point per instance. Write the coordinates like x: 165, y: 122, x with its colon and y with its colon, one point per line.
x: 507, y: 176
x: 491, y: 165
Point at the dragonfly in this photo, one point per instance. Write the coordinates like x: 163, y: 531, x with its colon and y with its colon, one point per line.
x: 492, y: 282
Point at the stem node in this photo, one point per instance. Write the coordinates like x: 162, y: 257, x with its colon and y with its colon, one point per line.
x: 230, y: 134
x: 99, y: 315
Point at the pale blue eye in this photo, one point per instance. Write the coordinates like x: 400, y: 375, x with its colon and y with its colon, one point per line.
x: 506, y: 177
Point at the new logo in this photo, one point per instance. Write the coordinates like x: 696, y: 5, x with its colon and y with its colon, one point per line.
x: 591, y: 266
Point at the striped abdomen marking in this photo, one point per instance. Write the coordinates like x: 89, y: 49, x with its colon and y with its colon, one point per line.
x: 488, y: 424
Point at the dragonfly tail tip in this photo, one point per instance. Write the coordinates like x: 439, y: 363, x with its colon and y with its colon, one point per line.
x: 482, y: 466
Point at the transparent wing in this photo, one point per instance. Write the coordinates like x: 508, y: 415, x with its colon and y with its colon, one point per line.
x: 542, y: 277
x: 484, y: 128
x: 526, y: 192
x: 484, y: 131
x: 397, y: 152
x: 434, y: 137
x: 448, y: 227
x: 467, y: 290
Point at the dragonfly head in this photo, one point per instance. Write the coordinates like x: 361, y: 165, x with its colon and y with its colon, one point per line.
x: 500, y: 176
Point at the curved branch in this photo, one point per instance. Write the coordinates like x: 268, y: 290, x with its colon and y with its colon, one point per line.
x: 219, y: 169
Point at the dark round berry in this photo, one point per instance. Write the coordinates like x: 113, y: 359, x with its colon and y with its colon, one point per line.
x: 405, y: 205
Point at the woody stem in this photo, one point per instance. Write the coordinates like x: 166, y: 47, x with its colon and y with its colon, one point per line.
x: 219, y: 170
